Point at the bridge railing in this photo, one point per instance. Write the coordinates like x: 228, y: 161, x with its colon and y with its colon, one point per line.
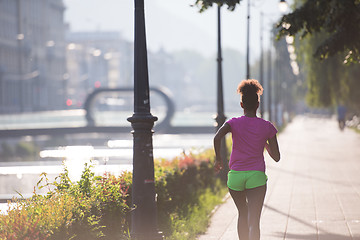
x: 165, y: 94
x: 163, y: 126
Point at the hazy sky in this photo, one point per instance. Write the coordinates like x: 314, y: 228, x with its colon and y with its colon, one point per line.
x: 174, y: 25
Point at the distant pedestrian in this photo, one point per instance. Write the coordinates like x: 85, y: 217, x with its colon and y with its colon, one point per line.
x: 341, y: 112
x: 247, y: 178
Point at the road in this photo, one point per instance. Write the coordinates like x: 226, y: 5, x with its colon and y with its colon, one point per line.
x: 313, y: 192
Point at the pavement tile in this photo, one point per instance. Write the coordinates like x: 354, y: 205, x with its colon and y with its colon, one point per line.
x: 354, y: 226
x: 334, y: 229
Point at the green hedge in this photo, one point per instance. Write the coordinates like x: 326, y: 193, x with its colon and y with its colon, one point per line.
x: 98, y: 207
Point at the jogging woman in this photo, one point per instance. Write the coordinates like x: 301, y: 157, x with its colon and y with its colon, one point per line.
x: 246, y: 178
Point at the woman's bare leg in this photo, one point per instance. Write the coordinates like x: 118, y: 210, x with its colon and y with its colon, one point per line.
x: 255, y: 198
x: 239, y: 198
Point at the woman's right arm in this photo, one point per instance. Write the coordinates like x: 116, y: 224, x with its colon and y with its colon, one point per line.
x: 273, y: 148
x: 224, y: 129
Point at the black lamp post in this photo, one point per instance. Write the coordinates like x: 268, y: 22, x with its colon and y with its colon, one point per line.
x: 220, y: 117
x: 144, y: 217
x: 248, y: 43
x: 269, y: 83
x: 20, y: 40
x: 261, y: 63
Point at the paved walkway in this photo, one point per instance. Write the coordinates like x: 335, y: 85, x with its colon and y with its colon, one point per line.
x: 313, y: 192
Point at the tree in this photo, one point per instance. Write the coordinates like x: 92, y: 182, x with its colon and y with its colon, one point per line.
x: 205, y: 4
x: 339, y: 19
x: 329, y: 81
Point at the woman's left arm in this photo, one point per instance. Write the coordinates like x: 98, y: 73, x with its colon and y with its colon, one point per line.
x: 223, y: 130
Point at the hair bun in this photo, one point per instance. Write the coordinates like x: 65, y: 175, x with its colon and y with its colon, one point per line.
x: 249, y: 87
x: 250, y: 91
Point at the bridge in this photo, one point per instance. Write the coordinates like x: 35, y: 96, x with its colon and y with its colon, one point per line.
x: 84, y: 120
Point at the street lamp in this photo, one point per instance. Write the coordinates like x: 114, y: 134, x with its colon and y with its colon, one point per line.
x: 144, y: 217
x: 220, y: 118
x: 283, y: 6
x: 261, y: 79
x: 20, y: 42
x: 269, y: 83
x: 247, y: 42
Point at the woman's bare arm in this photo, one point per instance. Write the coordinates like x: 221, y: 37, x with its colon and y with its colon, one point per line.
x: 273, y: 148
x: 223, y: 130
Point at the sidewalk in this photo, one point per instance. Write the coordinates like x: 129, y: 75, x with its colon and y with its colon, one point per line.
x: 313, y: 192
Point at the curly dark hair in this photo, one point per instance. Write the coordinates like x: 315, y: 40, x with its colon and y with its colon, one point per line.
x: 250, y: 91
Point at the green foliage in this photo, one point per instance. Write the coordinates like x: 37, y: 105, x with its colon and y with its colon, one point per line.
x: 98, y: 207
x: 197, y: 218
x: 24, y: 150
x: 7, y: 151
x: 30, y: 219
x: 350, y: 84
x: 337, y: 18
x: 329, y: 81
x: 205, y: 4
x: 87, y: 209
x: 181, y: 186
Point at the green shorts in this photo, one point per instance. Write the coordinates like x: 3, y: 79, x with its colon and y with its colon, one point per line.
x: 241, y: 180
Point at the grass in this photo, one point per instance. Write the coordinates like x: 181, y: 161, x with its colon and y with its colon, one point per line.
x: 357, y: 130
x: 198, y: 218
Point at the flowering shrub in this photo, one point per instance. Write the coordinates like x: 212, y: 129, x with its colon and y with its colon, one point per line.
x: 98, y: 207
x: 180, y: 185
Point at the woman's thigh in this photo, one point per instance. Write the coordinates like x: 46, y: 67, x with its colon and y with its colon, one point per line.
x: 255, y: 198
x: 239, y: 198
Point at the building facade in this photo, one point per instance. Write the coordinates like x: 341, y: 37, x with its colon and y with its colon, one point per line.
x: 97, y: 59
x: 32, y: 55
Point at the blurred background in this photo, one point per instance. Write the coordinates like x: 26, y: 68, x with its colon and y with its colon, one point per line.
x: 55, y: 53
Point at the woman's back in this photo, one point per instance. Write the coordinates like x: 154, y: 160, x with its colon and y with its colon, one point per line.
x: 249, y: 136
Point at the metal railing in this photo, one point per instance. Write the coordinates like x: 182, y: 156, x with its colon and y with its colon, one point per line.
x: 164, y: 126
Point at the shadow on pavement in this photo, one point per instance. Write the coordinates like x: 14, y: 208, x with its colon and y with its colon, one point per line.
x: 292, y: 217
x: 323, y: 234
x: 341, y: 183
x: 327, y: 236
